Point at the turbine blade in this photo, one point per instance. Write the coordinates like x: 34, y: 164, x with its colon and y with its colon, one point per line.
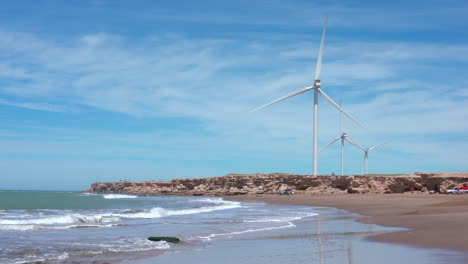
x: 341, y: 120
x: 303, y: 90
x: 374, y: 147
x: 318, y: 68
x: 354, y: 143
x: 339, y: 107
x: 329, y: 144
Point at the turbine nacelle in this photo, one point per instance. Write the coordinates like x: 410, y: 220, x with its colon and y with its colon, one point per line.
x: 317, y: 84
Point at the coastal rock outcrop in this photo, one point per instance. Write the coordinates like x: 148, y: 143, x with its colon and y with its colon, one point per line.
x: 239, y: 184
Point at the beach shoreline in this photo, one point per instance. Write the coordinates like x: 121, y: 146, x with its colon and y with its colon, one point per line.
x: 432, y: 220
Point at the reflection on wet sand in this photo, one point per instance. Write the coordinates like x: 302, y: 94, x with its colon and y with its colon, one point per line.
x: 349, y: 248
x: 321, y: 242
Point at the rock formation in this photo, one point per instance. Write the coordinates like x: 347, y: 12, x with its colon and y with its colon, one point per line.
x: 238, y: 184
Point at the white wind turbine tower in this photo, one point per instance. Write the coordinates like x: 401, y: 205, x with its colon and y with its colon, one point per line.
x: 317, y: 91
x: 366, y: 152
x: 344, y: 137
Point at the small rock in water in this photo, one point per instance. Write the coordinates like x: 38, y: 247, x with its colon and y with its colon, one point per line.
x: 167, y: 239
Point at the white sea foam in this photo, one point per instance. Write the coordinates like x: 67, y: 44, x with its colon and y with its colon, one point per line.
x: 40, y: 227
x: 140, y: 245
x: 209, y: 237
x: 119, y: 196
x: 110, y: 196
x: 126, y: 245
x: 39, y: 221
x: 92, y: 252
x: 62, y: 219
x: 218, y: 201
x: 211, y: 200
x: 32, y: 258
x: 61, y: 256
x: 17, y: 227
x: 88, y: 249
x: 280, y: 219
x: 158, y: 212
x: 285, y: 219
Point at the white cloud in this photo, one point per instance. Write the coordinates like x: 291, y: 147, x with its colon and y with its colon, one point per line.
x: 35, y: 106
x: 216, y: 82
x: 94, y: 39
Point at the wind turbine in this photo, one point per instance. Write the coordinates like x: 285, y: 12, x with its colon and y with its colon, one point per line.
x: 317, y: 91
x: 344, y: 137
x: 366, y: 152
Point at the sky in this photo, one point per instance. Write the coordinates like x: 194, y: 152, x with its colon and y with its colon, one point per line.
x: 102, y: 90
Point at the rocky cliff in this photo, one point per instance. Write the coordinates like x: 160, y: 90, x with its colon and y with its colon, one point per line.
x: 236, y: 184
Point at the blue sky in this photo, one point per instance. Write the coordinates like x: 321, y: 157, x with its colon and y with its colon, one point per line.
x: 155, y: 90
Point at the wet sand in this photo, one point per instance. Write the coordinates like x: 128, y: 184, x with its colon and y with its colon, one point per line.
x: 434, y: 220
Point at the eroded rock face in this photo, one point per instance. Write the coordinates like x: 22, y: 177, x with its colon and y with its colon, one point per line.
x: 238, y: 184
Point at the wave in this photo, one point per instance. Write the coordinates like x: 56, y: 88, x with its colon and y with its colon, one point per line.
x: 158, y: 212
x: 42, y: 227
x: 119, y: 196
x: 209, y: 237
x: 280, y: 219
x: 273, y: 220
x: 127, y: 244
x: 212, y: 200
x: 121, y: 245
x: 110, y: 196
x: 62, y: 221
x: 31, y: 258
x: 140, y: 245
x: 17, y: 227
x: 287, y: 219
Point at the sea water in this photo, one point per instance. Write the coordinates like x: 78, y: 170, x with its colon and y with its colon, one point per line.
x: 67, y: 227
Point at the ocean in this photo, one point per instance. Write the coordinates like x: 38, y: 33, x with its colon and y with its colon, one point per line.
x: 69, y: 227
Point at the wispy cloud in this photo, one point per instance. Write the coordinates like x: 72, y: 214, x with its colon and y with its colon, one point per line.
x: 176, y: 76
x: 414, y: 92
x: 34, y: 106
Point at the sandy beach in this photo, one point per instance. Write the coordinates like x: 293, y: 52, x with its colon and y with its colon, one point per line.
x: 434, y: 220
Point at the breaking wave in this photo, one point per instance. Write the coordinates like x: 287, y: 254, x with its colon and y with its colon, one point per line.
x: 75, y: 220
x: 119, y: 196
x: 110, y: 196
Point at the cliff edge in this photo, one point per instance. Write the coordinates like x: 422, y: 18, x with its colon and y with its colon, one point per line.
x: 238, y: 184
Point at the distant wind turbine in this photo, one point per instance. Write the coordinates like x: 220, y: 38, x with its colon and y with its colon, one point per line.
x: 317, y: 91
x: 344, y: 137
x: 366, y: 152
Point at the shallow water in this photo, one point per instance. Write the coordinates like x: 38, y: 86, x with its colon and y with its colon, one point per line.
x: 333, y: 236
x: 61, y: 227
